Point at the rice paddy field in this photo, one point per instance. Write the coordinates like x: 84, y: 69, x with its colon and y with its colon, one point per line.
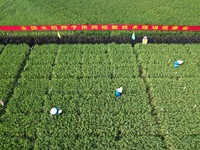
x: 40, y: 12
x: 158, y: 109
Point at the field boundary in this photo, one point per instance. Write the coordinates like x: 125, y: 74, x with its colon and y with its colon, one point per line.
x: 6, y: 5
x: 83, y: 39
x: 155, y: 115
x: 16, y: 80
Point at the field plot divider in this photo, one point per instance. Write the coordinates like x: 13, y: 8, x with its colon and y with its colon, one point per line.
x: 6, y: 5
x: 154, y: 113
x: 21, y: 69
x: 50, y: 78
x: 4, y: 45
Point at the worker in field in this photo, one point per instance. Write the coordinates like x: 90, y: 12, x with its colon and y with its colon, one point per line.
x: 145, y: 40
x: 177, y: 63
x: 118, y: 92
x: 55, y: 111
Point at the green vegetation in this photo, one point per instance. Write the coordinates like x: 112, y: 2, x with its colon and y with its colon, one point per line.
x: 158, y: 109
x: 10, y: 62
x: 40, y: 12
x: 98, y: 12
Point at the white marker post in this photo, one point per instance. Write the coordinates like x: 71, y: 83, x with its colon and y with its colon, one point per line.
x: 1, y: 102
x: 133, y: 36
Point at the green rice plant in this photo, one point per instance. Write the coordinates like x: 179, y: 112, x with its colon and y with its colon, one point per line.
x: 20, y: 131
x: 125, y: 70
x: 26, y: 104
x: 96, y: 58
x: 186, y: 141
x: 4, y: 4
x: 67, y: 71
x: 37, y: 71
x: 45, y: 49
x: 14, y: 51
x: 175, y: 95
x: 32, y: 86
x: 96, y: 70
x: 95, y: 84
x: 68, y: 58
x: 16, y: 143
x: 160, y: 64
x: 95, y: 12
x: 181, y: 123
x: 155, y: 104
x: 72, y: 48
x: 5, y: 88
x: 12, y: 59
x: 140, y: 142
x: 64, y: 85
x: 95, y: 49
x: 41, y: 59
x: 8, y: 71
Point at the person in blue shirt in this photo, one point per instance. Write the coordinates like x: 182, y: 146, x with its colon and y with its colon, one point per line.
x: 177, y: 63
x: 118, y: 92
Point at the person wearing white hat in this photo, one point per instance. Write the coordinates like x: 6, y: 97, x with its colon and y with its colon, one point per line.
x: 118, y: 92
x: 145, y: 40
x: 177, y: 63
x: 55, y: 111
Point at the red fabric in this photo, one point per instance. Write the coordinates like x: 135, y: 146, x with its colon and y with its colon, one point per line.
x: 113, y: 27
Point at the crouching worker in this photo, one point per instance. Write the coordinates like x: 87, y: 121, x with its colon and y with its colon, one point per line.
x: 118, y: 92
x: 55, y: 111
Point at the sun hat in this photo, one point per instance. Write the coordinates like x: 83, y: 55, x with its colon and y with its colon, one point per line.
x: 120, y: 90
x: 53, y: 111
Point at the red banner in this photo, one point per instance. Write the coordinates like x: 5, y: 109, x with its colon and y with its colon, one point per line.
x: 74, y: 27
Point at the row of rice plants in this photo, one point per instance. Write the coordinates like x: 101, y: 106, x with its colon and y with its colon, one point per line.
x: 16, y: 127
x: 11, y: 59
x: 91, y: 114
x: 175, y: 95
x: 24, y: 110
x: 158, y: 60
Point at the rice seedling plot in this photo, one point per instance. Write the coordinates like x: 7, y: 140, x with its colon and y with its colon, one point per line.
x: 174, y: 91
x: 10, y: 62
x: 94, y: 11
x: 158, y: 109
x: 158, y: 60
